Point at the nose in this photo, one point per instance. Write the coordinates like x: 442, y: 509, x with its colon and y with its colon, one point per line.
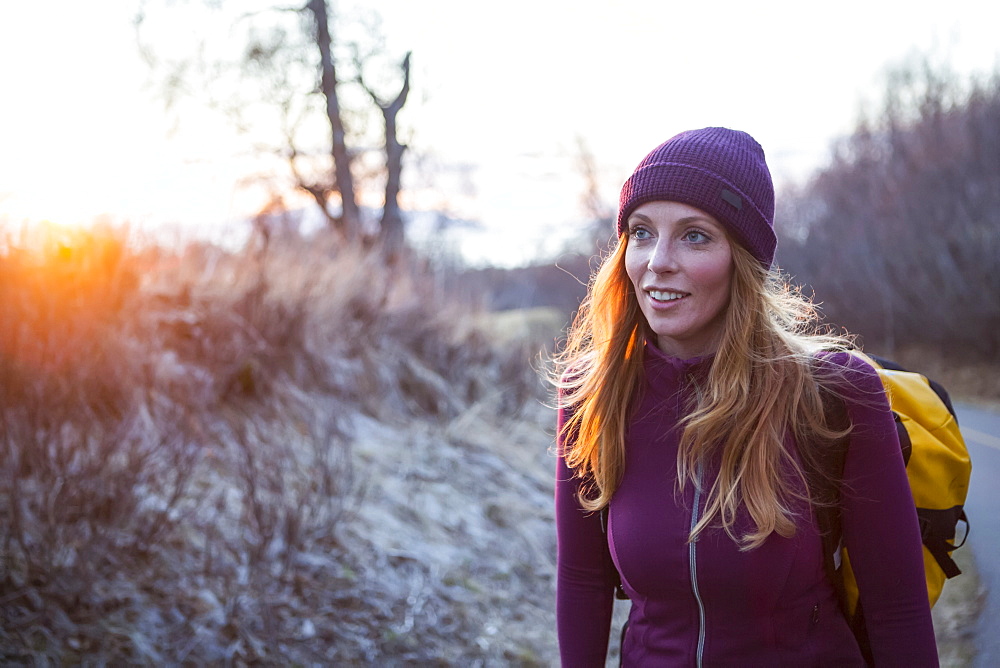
x: 662, y: 260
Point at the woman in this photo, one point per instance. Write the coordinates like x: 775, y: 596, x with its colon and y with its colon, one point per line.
x: 690, y: 388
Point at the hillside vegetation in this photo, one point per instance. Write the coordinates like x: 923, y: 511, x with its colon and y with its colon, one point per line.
x: 292, y: 454
x: 899, y: 234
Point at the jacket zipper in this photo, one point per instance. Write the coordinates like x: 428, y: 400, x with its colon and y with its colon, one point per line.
x: 692, y: 558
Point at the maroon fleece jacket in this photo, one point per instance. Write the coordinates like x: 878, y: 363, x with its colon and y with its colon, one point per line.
x: 708, y: 603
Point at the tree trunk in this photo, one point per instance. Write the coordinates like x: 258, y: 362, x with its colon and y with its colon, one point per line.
x: 338, y: 149
x: 392, y: 219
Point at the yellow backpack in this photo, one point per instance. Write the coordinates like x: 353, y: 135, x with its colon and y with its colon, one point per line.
x: 938, y: 468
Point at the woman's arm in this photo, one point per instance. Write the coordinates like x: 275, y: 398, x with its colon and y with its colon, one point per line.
x: 881, y: 530
x: 584, y: 574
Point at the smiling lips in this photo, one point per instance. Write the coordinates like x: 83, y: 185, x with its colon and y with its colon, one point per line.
x: 666, y: 295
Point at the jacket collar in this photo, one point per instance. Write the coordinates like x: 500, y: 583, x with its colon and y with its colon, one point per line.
x: 658, y: 362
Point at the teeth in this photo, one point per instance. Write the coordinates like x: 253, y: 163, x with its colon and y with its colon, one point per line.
x: 665, y: 296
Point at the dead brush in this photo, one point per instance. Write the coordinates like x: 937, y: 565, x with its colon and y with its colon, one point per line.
x: 73, y: 448
x: 394, y: 338
x: 156, y: 448
x: 177, y: 480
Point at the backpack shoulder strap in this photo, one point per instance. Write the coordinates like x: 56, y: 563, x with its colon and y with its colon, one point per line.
x: 823, y: 460
x: 619, y: 589
x: 824, y: 465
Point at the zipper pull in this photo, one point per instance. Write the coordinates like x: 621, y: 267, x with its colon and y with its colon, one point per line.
x: 815, y: 615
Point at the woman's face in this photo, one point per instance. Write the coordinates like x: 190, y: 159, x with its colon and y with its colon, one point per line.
x: 680, y: 262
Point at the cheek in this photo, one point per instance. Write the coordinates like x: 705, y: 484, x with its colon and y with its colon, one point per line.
x: 635, y: 265
x: 716, y: 274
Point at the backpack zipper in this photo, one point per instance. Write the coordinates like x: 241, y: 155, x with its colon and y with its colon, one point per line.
x: 692, y: 558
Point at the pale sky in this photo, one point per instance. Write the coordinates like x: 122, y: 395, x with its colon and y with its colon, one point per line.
x: 507, y: 88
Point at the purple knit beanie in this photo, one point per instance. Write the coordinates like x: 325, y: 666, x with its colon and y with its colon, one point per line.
x: 717, y: 170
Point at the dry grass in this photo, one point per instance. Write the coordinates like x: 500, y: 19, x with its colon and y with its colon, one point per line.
x: 252, y: 458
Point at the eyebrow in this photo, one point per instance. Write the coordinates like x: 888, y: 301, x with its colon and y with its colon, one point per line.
x: 683, y: 221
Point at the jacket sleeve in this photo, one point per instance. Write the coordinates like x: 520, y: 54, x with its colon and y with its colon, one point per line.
x: 881, y: 530
x: 584, y: 573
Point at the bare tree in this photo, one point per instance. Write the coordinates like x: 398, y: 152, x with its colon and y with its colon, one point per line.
x: 600, y: 214
x: 291, y: 63
x: 392, y: 220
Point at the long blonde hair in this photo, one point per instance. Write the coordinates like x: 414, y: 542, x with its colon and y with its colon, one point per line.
x: 761, y: 384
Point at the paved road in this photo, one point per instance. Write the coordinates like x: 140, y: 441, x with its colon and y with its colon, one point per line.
x: 981, y: 430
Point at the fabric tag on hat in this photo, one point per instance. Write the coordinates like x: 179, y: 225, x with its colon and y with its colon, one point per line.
x: 732, y: 199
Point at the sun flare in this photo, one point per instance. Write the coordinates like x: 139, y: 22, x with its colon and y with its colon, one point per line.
x: 60, y: 286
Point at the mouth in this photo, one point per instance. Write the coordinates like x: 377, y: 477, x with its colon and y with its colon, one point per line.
x: 666, y: 295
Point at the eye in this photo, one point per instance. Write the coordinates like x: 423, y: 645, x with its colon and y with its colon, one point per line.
x: 696, y: 237
x: 640, y: 233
